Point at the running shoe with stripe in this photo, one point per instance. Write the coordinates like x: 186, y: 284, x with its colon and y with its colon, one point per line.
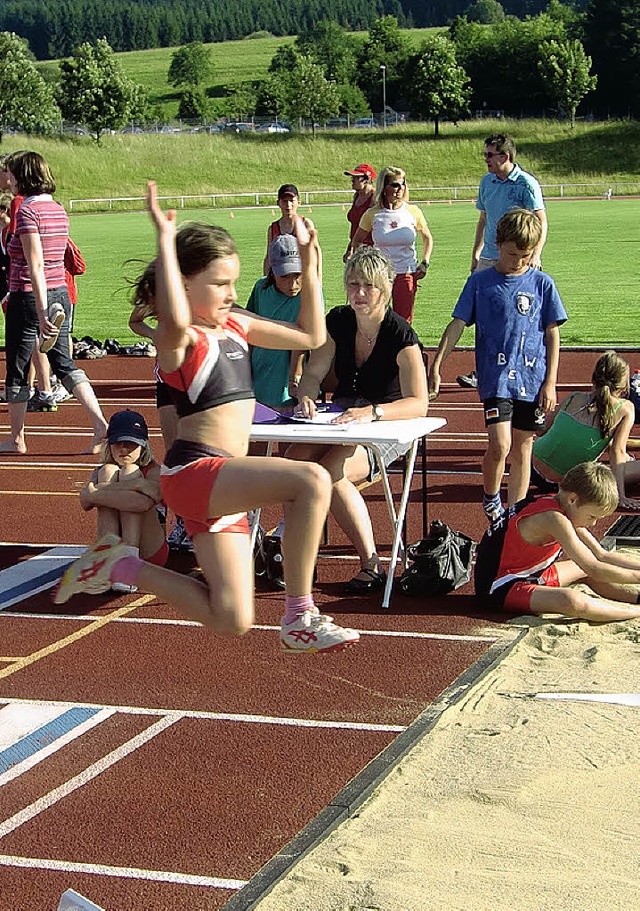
x: 313, y: 632
x: 90, y: 572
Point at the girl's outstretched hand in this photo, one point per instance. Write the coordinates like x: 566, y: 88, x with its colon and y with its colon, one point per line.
x: 303, y: 235
x: 165, y: 223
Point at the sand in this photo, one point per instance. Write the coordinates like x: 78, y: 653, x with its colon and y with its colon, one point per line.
x: 511, y: 802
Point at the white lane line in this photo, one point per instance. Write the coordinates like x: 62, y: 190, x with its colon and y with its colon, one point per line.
x: 97, y: 768
x: 158, y: 876
x: 230, y: 716
x: 160, y: 621
x: 631, y: 699
x: 38, y: 573
x: 46, y: 751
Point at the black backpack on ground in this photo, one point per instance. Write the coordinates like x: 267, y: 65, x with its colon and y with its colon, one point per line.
x: 440, y: 563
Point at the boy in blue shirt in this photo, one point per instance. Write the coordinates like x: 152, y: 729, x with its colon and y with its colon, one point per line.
x: 517, y: 311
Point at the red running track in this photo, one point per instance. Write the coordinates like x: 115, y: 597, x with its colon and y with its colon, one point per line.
x: 194, y: 760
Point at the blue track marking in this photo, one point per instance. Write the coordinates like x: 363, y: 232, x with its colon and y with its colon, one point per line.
x: 44, y: 736
x: 21, y: 581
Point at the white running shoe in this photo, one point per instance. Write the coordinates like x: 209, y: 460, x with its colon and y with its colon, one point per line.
x: 60, y: 394
x: 314, y: 632
x: 123, y: 589
x: 90, y: 573
x: 55, y: 315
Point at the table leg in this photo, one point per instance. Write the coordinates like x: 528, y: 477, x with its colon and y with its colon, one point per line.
x: 399, y: 519
x: 258, y: 510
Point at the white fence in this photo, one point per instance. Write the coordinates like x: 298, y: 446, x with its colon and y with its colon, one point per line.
x: 340, y: 197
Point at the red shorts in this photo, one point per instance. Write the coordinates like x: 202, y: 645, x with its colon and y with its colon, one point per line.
x: 518, y: 598
x: 160, y: 557
x: 187, y: 491
x: 405, y: 286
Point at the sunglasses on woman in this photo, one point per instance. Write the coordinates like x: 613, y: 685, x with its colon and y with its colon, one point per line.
x: 397, y: 184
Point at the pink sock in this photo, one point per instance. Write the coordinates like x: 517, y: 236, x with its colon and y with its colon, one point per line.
x: 293, y: 607
x: 126, y: 570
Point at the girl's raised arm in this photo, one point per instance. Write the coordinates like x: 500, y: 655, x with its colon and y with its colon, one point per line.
x: 171, y: 304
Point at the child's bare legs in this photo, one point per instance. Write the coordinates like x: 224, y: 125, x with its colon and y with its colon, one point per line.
x: 225, y: 604
x: 16, y: 442
x: 493, y: 465
x: 86, y: 396
x: 573, y: 603
x: 108, y: 519
x: 519, y: 465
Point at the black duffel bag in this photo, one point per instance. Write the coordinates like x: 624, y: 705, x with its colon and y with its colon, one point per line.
x: 440, y: 563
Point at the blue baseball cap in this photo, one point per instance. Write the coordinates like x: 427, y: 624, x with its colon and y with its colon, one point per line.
x: 128, y: 426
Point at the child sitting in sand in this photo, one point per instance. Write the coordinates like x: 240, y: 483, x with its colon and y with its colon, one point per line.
x: 519, y: 567
x: 125, y: 491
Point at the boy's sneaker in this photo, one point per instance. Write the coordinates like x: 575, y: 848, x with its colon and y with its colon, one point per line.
x: 60, y: 394
x: 90, y: 573
x: 178, y: 539
x: 55, y: 315
x: 470, y: 380
x: 123, y: 588
x: 43, y: 401
x: 314, y: 632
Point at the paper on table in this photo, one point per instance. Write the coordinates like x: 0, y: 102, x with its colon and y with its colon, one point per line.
x: 321, y: 417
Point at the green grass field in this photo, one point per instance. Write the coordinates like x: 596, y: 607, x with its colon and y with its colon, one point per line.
x: 592, y: 252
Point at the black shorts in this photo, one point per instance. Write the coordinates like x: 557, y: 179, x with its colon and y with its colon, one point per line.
x: 521, y: 415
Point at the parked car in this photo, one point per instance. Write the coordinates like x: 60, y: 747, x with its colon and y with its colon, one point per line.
x: 132, y: 129
x: 336, y: 123
x: 238, y: 127
x: 364, y: 123
x: 274, y: 128
x: 209, y: 128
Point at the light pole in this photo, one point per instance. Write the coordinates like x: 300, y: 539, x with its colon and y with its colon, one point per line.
x: 384, y: 95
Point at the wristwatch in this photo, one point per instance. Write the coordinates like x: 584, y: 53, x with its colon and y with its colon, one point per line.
x: 378, y: 412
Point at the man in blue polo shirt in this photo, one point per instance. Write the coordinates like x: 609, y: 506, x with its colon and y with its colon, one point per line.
x: 505, y: 186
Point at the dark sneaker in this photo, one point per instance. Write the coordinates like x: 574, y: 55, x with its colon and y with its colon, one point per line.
x: 470, y: 380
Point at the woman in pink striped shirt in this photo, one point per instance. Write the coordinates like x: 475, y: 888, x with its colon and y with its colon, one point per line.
x: 38, y: 298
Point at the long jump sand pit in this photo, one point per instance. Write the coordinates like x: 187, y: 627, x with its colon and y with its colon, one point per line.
x: 511, y: 802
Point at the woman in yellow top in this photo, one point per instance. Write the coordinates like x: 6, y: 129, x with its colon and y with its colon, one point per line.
x: 395, y: 226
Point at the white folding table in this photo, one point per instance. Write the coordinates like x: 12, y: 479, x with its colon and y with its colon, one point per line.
x: 372, y: 436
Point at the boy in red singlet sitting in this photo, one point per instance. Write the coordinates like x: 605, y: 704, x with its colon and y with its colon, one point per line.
x: 520, y: 570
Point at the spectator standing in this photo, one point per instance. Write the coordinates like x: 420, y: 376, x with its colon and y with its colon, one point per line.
x: 505, y: 186
x: 395, y: 225
x: 363, y: 185
x: 516, y: 310
x: 289, y: 202
x: 276, y: 374
x: 38, y: 298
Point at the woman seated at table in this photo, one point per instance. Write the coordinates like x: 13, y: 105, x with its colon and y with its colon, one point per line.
x: 377, y: 361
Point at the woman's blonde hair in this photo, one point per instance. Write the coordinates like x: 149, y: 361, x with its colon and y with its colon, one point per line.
x: 592, y: 482
x: 146, y: 455
x: 371, y: 265
x: 610, y: 380
x: 197, y: 245
x: 385, y: 176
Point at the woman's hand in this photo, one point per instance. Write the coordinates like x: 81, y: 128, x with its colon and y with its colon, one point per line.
x: 306, y: 408
x: 355, y: 416
x: 629, y: 504
x: 165, y: 224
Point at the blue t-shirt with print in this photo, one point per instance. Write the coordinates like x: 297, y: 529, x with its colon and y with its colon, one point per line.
x: 511, y: 314
x: 519, y: 190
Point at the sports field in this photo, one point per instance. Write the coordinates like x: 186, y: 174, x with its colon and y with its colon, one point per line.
x: 592, y: 252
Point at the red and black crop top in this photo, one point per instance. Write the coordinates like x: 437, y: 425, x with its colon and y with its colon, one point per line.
x: 217, y: 370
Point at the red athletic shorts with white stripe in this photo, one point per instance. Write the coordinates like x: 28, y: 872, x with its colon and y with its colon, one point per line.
x: 186, y: 480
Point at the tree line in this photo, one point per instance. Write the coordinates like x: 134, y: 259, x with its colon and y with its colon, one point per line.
x: 514, y: 67
x: 55, y: 29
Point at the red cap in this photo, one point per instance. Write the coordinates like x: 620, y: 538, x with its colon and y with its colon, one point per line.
x: 362, y: 169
